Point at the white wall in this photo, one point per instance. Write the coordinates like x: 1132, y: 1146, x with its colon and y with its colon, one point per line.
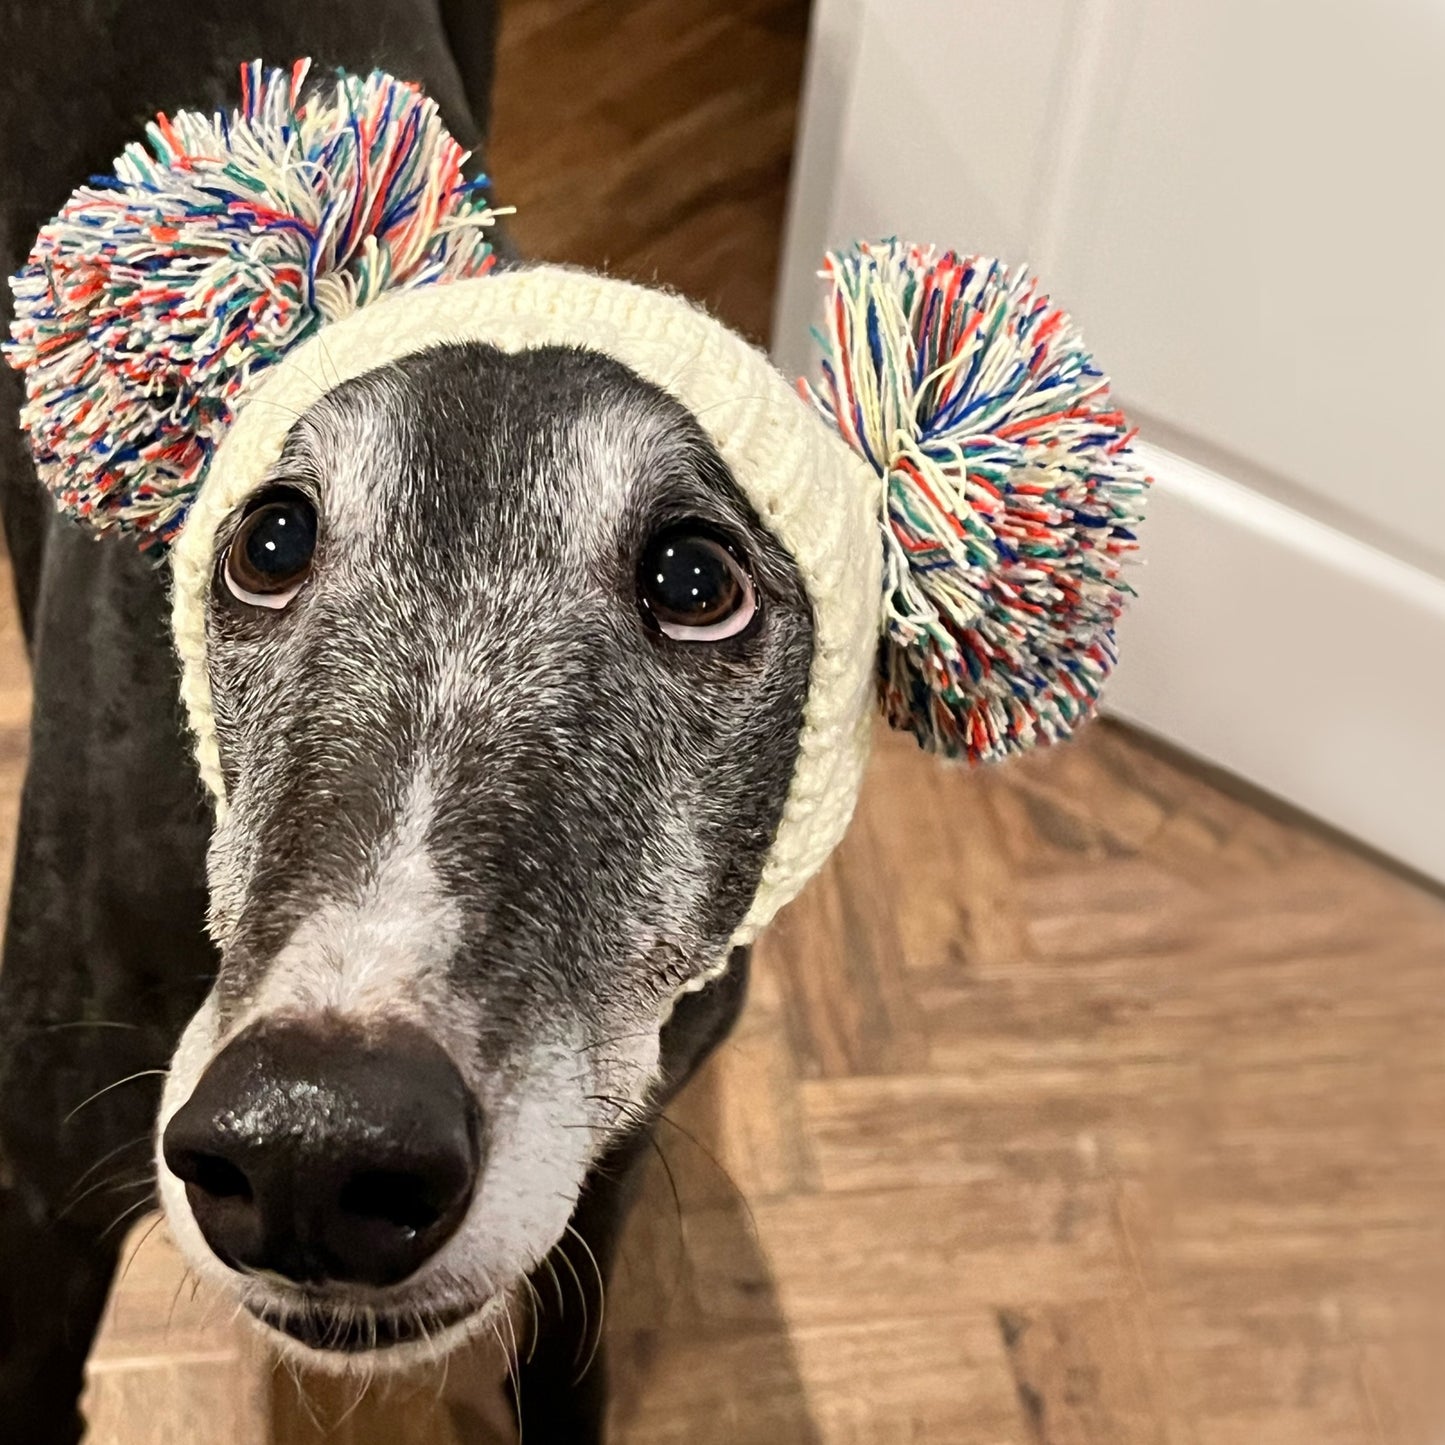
x: 1242, y: 203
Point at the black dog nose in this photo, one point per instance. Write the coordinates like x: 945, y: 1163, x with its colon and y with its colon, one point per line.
x: 323, y: 1153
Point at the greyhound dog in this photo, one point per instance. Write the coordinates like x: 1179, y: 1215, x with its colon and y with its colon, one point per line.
x: 498, y: 797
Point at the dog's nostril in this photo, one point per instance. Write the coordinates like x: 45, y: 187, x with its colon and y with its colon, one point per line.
x: 210, y: 1173
x: 402, y: 1200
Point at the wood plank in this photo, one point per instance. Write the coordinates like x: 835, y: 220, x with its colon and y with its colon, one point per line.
x: 1082, y: 1373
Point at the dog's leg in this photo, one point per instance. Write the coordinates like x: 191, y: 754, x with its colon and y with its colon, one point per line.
x: 53, y: 1284
x: 78, y: 1098
x: 75, y: 1176
x: 105, y: 960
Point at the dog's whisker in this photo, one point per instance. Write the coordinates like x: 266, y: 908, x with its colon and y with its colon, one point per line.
x: 444, y: 1376
x: 276, y: 406
x: 535, y: 1312
x: 556, y: 1284
x: 679, y: 1215
x: 684, y: 368
x: 88, y: 1024
x: 113, y: 1185
x: 581, y: 1298
x: 99, y: 1093
x: 303, y: 1394
x: 188, y: 1275
x: 138, y: 1246
x: 125, y: 1214
x: 717, y: 1164
x: 512, y: 1332
x: 362, y: 1387
x: 662, y: 1117
x: 109, y: 1155
x: 727, y: 401
x: 513, y: 1375
x: 327, y: 357
x: 601, y: 1301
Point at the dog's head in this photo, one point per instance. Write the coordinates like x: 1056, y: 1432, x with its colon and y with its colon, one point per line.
x: 508, y: 679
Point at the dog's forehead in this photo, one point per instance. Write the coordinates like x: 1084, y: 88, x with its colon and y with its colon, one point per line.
x: 532, y: 454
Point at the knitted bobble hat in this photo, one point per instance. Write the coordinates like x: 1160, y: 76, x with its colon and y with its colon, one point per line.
x: 955, y: 489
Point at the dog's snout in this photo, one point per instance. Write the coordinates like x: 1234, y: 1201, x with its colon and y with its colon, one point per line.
x: 325, y: 1154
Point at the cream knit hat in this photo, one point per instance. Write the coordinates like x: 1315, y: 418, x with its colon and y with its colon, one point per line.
x: 956, y: 492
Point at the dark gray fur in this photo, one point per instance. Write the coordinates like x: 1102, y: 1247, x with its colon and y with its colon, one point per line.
x: 603, y: 800
x: 606, y: 795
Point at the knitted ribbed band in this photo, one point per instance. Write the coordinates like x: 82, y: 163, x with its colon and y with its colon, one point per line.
x: 806, y: 485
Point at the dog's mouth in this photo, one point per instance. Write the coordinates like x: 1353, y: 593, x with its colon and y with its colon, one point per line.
x: 331, y: 1331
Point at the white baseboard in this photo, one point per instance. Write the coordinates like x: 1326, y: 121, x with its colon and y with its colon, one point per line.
x: 1292, y: 654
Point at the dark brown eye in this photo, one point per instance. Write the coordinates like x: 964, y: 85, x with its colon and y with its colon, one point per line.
x: 270, y: 556
x: 693, y: 587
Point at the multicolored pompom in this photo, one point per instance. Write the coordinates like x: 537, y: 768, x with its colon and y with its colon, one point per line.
x: 153, y: 299
x: 1010, y: 496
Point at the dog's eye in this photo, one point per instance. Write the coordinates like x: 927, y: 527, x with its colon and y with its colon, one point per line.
x: 270, y: 556
x: 693, y: 586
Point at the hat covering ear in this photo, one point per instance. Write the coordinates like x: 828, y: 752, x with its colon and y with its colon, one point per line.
x: 958, y: 524
x: 155, y: 299
x: 1010, y: 494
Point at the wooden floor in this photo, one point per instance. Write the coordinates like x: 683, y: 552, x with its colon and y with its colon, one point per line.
x: 1080, y: 1103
